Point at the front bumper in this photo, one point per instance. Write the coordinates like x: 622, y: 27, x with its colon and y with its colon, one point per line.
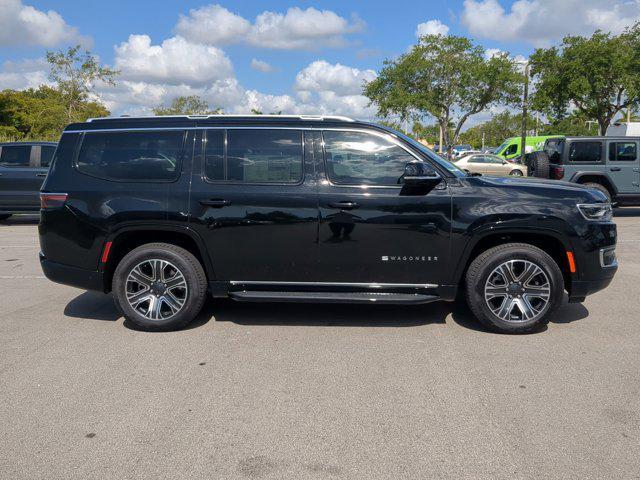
x: 73, y: 276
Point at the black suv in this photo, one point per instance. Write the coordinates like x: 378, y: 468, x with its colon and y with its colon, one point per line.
x: 163, y: 210
x: 23, y: 166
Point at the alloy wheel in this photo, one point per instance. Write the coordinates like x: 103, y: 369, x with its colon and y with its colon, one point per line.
x: 517, y: 291
x: 156, y: 289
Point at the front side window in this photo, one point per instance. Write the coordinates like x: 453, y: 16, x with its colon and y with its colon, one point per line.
x: 254, y: 156
x: 358, y: 158
x: 493, y: 160
x: 513, y: 148
x: 131, y: 156
x: 589, y: 152
x: 623, y: 152
x: 15, y: 155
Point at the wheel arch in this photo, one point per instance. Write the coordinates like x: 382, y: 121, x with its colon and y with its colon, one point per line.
x: 595, y: 177
x: 127, y: 238
x: 548, y: 240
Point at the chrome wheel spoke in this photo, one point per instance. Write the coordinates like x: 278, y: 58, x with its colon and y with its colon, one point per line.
x: 517, y: 291
x: 156, y: 289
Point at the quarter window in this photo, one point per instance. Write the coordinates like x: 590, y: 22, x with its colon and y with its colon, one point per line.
x: 254, y: 156
x: 588, y: 152
x: 623, y: 151
x: 358, y: 158
x: 46, y: 154
x: 15, y: 155
x: 131, y: 156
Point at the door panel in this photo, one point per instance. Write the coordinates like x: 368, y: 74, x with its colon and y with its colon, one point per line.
x: 257, y: 211
x: 19, y: 180
x: 374, y: 233
x: 623, y: 165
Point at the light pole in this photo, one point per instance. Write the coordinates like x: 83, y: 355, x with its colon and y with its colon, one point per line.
x: 525, y: 101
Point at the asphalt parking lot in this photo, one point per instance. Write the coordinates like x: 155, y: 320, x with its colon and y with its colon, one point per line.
x: 314, y: 391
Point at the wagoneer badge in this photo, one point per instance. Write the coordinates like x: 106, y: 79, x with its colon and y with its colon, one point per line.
x: 411, y: 258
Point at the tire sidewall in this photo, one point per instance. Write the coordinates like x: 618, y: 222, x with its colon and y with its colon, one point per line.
x: 542, y: 260
x: 193, y: 301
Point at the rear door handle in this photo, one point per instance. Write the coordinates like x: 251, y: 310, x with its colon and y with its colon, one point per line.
x: 215, y: 203
x: 41, y: 174
x: 344, y: 205
x: 615, y: 169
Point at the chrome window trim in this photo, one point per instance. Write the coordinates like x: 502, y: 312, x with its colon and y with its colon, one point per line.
x: 336, y: 284
x: 602, y: 252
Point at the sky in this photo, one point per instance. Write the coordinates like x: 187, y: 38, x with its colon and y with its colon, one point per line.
x: 271, y: 55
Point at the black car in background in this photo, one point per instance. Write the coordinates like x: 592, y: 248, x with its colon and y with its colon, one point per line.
x: 164, y: 211
x: 23, y: 166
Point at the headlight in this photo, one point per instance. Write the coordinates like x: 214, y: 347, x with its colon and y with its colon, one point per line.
x: 596, y: 211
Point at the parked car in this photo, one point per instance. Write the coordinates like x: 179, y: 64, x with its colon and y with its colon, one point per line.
x: 608, y: 164
x: 511, y: 147
x: 490, y: 165
x: 164, y: 212
x: 23, y: 166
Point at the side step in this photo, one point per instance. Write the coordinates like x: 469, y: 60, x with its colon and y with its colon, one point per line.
x: 333, y: 297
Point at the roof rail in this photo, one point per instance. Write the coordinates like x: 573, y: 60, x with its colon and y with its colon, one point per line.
x: 195, y: 117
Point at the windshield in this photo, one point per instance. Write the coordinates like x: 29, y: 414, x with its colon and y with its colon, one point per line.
x: 443, y: 162
x: 502, y: 147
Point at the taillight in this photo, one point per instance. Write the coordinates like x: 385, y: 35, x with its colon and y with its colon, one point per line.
x: 52, y: 200
x: 558, y: 173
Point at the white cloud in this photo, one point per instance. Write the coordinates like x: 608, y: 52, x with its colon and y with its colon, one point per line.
x: 25, y: 25
x: 175, y: 61
x: 24, y: 74
x: 305, y: 29
x: 322, y: 76
x: 261, y: 66
x: 212, y: 24
x: 542, y: 22
x: 432, y: 27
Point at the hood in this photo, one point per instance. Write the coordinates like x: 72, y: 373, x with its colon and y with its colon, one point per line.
x: 542, y: 186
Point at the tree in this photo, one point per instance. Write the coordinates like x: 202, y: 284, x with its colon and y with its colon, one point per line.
x: 500, y: 127
x: 189, y: 105
x: 598, y: 76
x: 446, y: 77
x: 40, y: 114
x: 75, y: 75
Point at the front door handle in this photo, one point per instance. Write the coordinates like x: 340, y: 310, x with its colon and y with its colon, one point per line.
x: 615, y: 169
x: 41, y: 174
x: 215, y: 203
x: 344, y: 205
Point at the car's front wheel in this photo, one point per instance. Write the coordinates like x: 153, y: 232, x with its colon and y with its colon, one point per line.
x: 159, y: 286
x: 514, y: 288
x: 516, y: 173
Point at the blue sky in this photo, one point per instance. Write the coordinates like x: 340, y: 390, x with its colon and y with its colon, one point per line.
x: 271, y: 54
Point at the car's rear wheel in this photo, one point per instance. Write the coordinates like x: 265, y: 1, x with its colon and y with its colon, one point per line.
x: 599, y: 187
x: 514, y: 288
x: 4, y: 216
x: 159, y: 286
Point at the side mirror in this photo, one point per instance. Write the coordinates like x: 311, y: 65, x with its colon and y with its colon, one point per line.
x: 420, y: 174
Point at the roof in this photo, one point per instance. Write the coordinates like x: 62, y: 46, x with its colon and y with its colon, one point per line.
x: 612, y: 137
x: 252, y: 117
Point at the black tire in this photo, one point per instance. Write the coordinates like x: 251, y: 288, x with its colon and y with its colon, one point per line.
x: 181, y: 260
x: 516, y: 173
x: 4, y: 216
x: 540, y: 162
x: 485, y: 264
x: 599, y: 187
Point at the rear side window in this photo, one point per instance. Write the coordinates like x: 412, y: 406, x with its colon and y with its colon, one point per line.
x: 46, y: 154
x: 131, y: 156
x: 588, y: 152
x: 254, y: 156
x: 477, y: 159
x: 15, y: 155
x: 358, y: 158
x: 553, y: 148
x: 623, y: 151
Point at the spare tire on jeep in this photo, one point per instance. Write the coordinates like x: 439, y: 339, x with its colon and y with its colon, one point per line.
x: 538, y: 163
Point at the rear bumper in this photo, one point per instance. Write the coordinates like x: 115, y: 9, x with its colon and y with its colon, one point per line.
x: 73, y: 276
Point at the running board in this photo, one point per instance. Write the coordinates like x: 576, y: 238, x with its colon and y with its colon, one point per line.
x: 333, y: 297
